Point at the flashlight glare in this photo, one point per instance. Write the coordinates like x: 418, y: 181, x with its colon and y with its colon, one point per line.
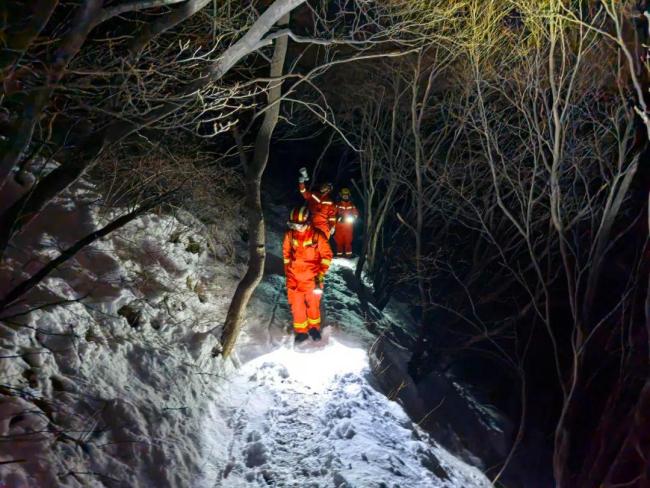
x: 317, y: 369
x: 349, y: 219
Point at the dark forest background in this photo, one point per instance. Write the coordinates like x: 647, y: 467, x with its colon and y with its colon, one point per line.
x: 498, y: 151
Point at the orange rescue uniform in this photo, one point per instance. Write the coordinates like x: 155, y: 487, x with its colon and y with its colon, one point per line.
x: 306, y: 256
x: 322, y: 209
x: 345, y: 230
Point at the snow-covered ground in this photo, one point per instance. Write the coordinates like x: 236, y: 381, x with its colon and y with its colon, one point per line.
x: 309, y: 417
x: 120, y: 388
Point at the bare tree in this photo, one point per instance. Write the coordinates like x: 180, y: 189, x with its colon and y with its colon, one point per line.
x: 555, y: 186
x: 523, y: 193
x: 255, y: 217
x: 113, y: 132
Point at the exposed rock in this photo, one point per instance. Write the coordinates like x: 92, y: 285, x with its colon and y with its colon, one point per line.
x: 193, y: 246
x: 175, y: 237
x: 132, y: 315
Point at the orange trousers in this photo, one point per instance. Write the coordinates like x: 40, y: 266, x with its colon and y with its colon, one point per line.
x: 305, y: 307
x: 343, y: 238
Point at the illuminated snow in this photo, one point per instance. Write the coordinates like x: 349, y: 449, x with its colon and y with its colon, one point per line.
x: 309, y: 417
x: 164, y: 413
x: 315, y: 367
x: 347, y: 263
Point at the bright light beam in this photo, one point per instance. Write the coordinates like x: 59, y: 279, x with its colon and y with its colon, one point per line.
x: 315, y: 368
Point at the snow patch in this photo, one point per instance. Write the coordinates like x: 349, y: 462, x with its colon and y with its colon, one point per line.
x: 120, y: 389
x: 315, y: 370
x: 308, y: 416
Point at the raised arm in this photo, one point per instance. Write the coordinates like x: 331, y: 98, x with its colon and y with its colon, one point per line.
x: 306, y: 194
x: 304, y: 176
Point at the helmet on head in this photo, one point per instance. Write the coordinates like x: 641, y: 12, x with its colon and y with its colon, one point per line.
x: 299, y: 215
x: 299, y: 219
x: 345, y: 192
x: 326, y: 188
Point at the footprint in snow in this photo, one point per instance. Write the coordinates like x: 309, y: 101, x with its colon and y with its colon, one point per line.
x: 345, y: 430
x: 253, y: 436
x: 255, y: 455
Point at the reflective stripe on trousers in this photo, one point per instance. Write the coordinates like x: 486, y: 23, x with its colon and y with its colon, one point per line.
x: 305, y: 307
x: 343, y: 238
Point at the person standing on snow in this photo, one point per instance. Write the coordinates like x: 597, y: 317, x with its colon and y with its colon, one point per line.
x: 307, y: 257
x: 346, y: 217
x: 321, y: 205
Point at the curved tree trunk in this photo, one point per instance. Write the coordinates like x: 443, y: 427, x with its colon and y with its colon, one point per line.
x: 25, y: 209
x: 166, y: 22
x: 255, y: 216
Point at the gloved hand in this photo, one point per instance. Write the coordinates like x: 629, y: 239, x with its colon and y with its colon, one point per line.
x: 304, y: 176
x: 319, y: 281
x: 332, y: 230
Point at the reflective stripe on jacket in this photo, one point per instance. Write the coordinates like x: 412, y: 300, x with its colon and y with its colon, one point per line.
x: 345, y: 208
x: 322, y: 208
x: 305, y: 254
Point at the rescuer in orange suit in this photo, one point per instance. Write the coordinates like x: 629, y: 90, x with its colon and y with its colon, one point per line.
x: 307, y: 257
x: 321, y: 205
x: 347, y: 215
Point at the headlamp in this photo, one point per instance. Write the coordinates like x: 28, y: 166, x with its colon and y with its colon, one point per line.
x: 297, y: 227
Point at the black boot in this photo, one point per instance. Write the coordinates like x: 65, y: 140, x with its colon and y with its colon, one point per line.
x: 300, y: 337
x: 314, y: 334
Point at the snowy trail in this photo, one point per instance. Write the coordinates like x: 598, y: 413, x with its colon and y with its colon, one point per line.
x: 311, y: 418
x: 143, y: 404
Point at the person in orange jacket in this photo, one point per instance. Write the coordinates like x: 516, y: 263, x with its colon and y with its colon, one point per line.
x: 346, y: 217
x: 307, y: 257
x: 321, y: 205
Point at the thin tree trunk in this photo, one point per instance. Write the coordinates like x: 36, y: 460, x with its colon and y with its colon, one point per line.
x: 416, y: 127
x: 254, y: 172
